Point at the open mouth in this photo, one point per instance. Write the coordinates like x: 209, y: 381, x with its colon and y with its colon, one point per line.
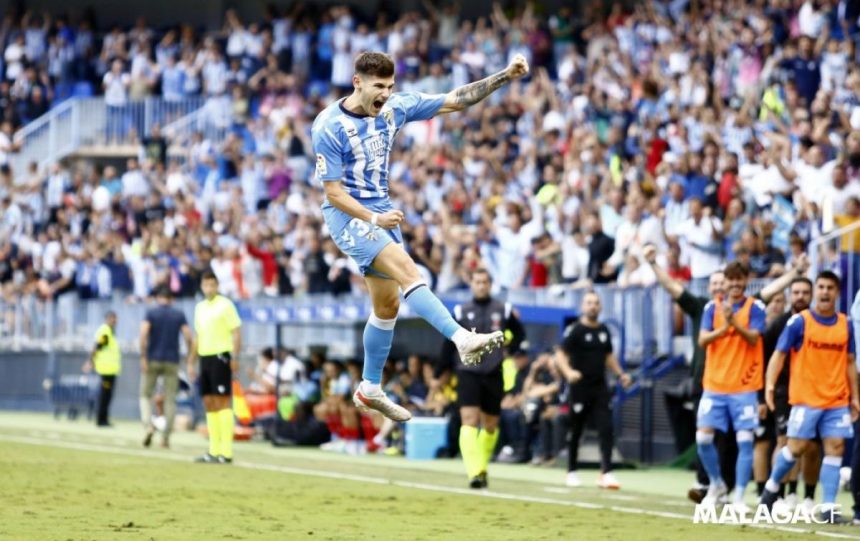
x: 378, y: 104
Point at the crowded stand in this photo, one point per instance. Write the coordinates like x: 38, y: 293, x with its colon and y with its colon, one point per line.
x: 688, y: 129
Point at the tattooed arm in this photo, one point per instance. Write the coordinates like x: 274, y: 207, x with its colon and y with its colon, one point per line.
x: 470, y: 94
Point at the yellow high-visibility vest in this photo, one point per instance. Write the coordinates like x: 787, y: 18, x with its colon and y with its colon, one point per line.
x: 107, y: 359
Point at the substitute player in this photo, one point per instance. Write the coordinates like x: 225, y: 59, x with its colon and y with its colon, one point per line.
x: 352, y: 140
x: 217, y: 344
x: 822, y: 389
x: 731, y: 335
x: 480, y: 388
x: 799, y: 297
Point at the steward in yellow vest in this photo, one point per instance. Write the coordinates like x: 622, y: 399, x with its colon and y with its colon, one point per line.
x: 106, y: 360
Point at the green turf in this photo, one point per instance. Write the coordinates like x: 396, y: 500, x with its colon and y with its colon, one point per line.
x: 71, y: 481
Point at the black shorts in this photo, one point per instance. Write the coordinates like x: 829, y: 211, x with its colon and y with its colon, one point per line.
x: 766, y: 430
x: 483, y: 390
x: 216, y: 377
x: 782, y: 409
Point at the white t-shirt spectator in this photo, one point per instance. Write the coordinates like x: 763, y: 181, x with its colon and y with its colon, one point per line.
x: 812, y: 181
x: 14, y: 56
x: 134, y: 184
x: 287, y: 373
x: 116, y: 88
x: 704, y: 250
x: 215, y: 77
x: 54, y: 189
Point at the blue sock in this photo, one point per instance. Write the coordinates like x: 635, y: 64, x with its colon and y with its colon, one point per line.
x: 784, y: 462
x: 708, y: 456
x: 378, y: 334
x: 423, y: 302
x: 829, y: 477
x: 744, y: 464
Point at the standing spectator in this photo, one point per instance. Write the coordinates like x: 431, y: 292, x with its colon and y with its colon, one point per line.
x: 702, y: 234
x: 583, y: 358
x: 159, y: 357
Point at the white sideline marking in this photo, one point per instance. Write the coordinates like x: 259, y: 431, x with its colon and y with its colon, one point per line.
x: 44, y: 442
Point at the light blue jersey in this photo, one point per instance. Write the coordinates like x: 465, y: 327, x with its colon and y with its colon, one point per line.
x: 356, y: 149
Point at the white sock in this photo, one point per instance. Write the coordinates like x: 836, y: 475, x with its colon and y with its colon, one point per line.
x: 460, y: 335
x: 368, y: 388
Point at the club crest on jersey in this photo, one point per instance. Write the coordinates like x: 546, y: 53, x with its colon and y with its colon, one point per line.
x: 322, y: 168
x: 588, y: 337
x: 602, y: 337
x: 388, y: 116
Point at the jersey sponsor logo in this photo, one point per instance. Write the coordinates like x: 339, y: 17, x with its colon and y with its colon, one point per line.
x: 829, y: 346
x: 588, y: 337
x: 470, y: 315
x: 221, y: 389
x: 577, y: 408
x: 322, y: 167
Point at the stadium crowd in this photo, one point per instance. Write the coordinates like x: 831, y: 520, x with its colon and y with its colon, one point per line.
x: 721, y: 131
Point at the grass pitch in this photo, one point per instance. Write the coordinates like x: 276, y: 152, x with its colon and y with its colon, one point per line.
x: 71, y: 481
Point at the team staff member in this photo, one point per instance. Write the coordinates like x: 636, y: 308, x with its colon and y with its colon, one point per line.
x: 159, y: 357
x: 582, y: 359
x: 218, y: 341
x: 107, y: 362
x: 480, y: 387
x: 800, y: 295
x: 694, y: 307
x: 822, y: 389
x: 731, y: 335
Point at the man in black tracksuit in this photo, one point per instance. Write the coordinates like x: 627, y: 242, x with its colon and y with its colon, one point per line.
x: 582, y: 359
x: 480, y: 388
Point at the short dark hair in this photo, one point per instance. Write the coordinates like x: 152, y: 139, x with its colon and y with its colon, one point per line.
x: 374, y: 64
x: 208, y: 275
x: 268, y: 353
x: 480, y: 270
x: 801, y: 280
x: 829, y: 275
x: 164, y: 291
x: 735, y: 270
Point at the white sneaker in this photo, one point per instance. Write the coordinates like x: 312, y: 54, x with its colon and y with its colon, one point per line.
x: 716, y: 493
x: 808, y: 504
x: 607, y: 480
x: 791, y: 501
x: 382, y: 404
x: 572, y: 480
x: 475, y: 346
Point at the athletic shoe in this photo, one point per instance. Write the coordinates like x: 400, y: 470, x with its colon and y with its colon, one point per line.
x: 475, y: 346
x: 165, y: 443
x: 808, y: 504
x: 382, y: 404
x: 607, y: 480
x: 768, y: 499
x: 475, y: 483
x: 572, y: 480
x: 791, y: 501
x: 147, y: 439
x: 716, y: 493
x: 856, y: 521
x: 845, y: 478
x: 697, y: 493
x: 206, y: 459
x: 483, y: 477
x: 224, y: 460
